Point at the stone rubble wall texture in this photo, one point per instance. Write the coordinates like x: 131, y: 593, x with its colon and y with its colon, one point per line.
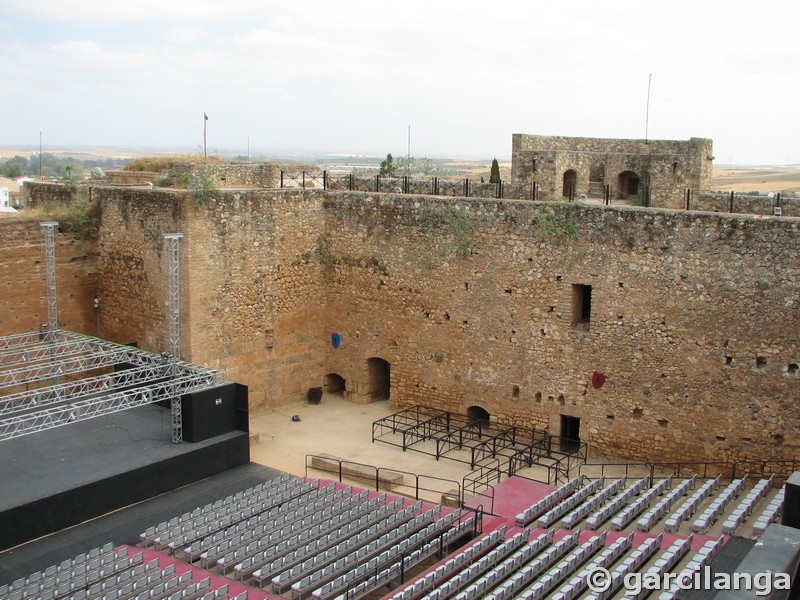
x: 23, y: 279
x: 670, y: 166
x: 694, y: 316
x: 252, y: 294
x: 42, y: 194
x: 131, y: 177
x: 745, y: 204
x: 228, y: 175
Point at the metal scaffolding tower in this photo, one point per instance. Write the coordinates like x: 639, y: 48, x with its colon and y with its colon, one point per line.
x: 174, y: 310
x: 49, y: 228
x: 101, y: 377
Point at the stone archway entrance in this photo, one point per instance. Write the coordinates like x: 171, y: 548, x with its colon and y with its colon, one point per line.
x: 628, y: 185
x: 569, y: 183
x: 477, y: 415
x: 379, y: 379
x: 334, y: 384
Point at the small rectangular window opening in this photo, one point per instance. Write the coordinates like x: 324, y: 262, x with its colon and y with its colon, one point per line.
x: 581, y: 305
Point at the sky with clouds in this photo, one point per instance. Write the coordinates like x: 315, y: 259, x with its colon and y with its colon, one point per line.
x: 350, y: 76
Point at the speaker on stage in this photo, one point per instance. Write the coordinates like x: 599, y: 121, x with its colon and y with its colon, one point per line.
x: 212, y: 412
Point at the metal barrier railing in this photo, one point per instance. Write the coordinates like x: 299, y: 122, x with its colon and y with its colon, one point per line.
x: 383, y: 477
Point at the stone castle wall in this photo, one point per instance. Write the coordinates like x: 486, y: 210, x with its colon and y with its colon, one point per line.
x: 23, y: 279
x: 252, y: 297
x: 227, y: 175
x: 43, y: 194
x: 692, y: 316
x: 669, y: 167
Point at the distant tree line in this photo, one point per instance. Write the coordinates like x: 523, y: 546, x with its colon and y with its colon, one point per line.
x: 408, y: 165
x: 55, y: 166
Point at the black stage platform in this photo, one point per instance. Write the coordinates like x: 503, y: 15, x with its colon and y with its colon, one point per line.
x: 63, y: 476
x: 124, y: 526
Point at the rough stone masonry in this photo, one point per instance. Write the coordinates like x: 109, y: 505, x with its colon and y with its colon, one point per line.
x: 506, y: 305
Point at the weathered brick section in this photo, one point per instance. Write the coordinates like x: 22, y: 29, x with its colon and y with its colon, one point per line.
x: 258, y: 296
x: 133, y: 265
x: 23, y: 279
x: 253, y: 295
x: 694, y: 318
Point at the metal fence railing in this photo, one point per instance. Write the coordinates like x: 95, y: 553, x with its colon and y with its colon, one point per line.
x: 771, y: 205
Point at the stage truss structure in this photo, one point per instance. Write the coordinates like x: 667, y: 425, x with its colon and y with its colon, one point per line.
x: 56, y: 377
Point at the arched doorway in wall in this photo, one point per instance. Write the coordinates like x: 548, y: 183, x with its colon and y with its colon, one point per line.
x: 477, y: 415
x: 379, y: 378
x: 628, y: 185
x: 569, y: 183
x: 334, y: 384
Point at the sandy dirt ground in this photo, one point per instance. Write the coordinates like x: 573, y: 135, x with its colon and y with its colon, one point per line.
x: 784, y: 179
x: 344, y: 429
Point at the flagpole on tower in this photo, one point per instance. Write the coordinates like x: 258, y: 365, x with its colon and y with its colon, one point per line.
x: 205, y: 126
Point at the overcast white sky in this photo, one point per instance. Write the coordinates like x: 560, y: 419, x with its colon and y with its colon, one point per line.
x: 351, y: 75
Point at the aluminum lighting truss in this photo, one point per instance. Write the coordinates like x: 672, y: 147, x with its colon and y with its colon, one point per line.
x: 33, y: 338
x: 72, y: 412
x: 102, y: 355
x: 49, y: 228
x: 57, y: 350
x: 173, y: 264
x: 82, y: 388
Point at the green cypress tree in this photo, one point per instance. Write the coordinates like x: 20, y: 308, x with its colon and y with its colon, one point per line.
x: 388, y: 168
x: 494, y: 177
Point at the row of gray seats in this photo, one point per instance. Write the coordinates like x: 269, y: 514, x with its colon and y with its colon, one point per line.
x: 291, y: 497
x: 455, y: 563
x: 147, y: 538
x: 630, y: 564
x: 569, y: 503
x: 648, y: 520
x: 357, y: 580
x: 396, y: 569
x: 746, y: 507
x: 602, y: 515
x: 565, y: 568
x: 184, y: 534
x: 287, y: 503
x: 690, y: 505
x: 484, y: 566
x: 66, y: 570
x: 293, y: 534
x: 665, y: 563
x: 511, y: 587
x: 303, y: 532
x: 769, y: 514
x: 74, y: 574
x: 593, y: 503
x: 509, y: 566
x: 126, y: 576
x: 638, y: 506
x: 263, y: 566
x: 544, y: 504
x: 604, y: 560
x: 718, y: 504
x: 699, y: 560
x: 356, y: 559
x: 210, y: 549
x: 312, y: 561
